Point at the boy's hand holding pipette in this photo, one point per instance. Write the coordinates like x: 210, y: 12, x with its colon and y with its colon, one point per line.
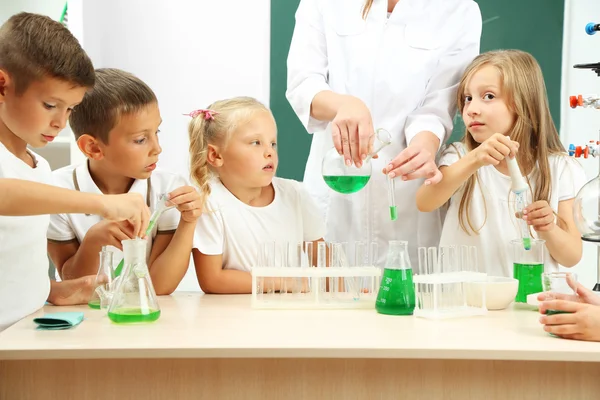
x: 495, y: 149
x: 188, y: 201
x: 127, y: 207
x: 540, y: 215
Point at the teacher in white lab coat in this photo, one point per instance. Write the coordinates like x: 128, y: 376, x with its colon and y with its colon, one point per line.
x: 359, y: 65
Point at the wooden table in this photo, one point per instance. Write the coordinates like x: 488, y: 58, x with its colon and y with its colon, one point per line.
x: 217, y: 347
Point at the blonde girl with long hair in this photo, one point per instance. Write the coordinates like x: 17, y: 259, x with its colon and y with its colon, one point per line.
x: 233, y: 155
x: 503, y: 102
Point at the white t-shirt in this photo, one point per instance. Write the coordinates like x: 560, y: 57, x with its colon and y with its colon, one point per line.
x: 24, y: 282
x: 501, y: 225
x: 69, y: 227
x: 237, y: 230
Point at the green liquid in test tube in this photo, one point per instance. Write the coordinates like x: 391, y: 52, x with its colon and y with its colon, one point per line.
x: 392, y: 198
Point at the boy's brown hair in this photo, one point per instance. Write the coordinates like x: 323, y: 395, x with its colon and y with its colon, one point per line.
x: 34, y: 46
x: 115, y: 93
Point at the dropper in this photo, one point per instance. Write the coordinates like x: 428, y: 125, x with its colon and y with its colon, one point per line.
x: 161, y: 207
x: 519, y: 188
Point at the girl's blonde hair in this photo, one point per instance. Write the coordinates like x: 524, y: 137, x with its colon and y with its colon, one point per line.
x: 227, y: 116
x: 523, y: 88
x: 367, y: 8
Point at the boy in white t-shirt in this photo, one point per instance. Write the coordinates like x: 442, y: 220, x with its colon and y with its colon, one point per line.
x: 44, y: 73
x: 116, y: 126
x: 247, y: 206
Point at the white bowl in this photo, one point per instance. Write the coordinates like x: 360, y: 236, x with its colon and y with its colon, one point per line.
x: 499, y: 292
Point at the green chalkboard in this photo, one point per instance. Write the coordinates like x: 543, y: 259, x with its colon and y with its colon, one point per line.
x: 535, y: 26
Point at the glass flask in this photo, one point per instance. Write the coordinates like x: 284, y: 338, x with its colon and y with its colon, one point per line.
x: 586, y: 211
x: 134, y: 299
x: 104, y: 281
x: 396, y: 294
x: 528, y: 267
x: 350, y: 179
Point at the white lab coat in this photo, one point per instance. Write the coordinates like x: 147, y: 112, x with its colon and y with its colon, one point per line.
x: 406, y: 70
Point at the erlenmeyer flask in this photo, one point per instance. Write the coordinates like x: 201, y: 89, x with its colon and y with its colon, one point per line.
x: 350, y: 179
x: 104, y: 280
x: 396, y: 294
x: 134, y: 299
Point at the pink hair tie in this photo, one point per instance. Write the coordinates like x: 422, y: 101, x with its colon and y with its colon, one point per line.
x: 208, y: 114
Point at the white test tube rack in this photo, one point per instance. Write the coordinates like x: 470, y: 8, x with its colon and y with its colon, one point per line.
x: 328, y: 285
x: 448, y: 282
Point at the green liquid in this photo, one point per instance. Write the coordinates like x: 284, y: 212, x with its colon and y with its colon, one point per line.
x: 393, y: 213
x: 553, y: 312
x: 129, y: 315
x: 530, y: 280
x: 346, y: 184
x: 397, y: 293
x: 95, y: 304
x: 527, y: 243
x: 119, y: 268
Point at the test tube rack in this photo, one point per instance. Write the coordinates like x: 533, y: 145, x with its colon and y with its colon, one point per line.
x: 448, y: 284
x: 293, y: 281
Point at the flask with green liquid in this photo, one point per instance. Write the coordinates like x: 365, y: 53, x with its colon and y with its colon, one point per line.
x: 350, y: 179
x: 396, y: 294
x: 134, y: 299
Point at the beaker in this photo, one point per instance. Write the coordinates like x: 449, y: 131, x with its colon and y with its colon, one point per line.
x: 528, y: 266
x: 350, y: 179
x: 396, y: 294
x: 554, y: 283
x: 104, y: 281
x: 134, y: 299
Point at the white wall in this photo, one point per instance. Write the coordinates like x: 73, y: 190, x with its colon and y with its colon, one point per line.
x: 51, y: 8
x: 191, y: 52
x: 581, y: 125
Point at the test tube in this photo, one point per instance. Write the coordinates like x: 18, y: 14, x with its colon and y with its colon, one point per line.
x: 260, y: 281
x: 519, y: 206
x: 422, y: 253
x: 295, y: 256
x: 373, y: 254
x: 332, y: 264
x: 322, y: 263
x: 392, y: 198
x: 474, y: 260
x: 270, y: 262
x: 283, y: 263
x: 307, y: 262
x: 433, y: 267
x: 361, y: 258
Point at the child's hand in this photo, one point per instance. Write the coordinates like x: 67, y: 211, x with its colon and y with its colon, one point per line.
x: 495, y: 149
x: 580, y: 321
x: 540, y: 215
x: 188, y: 201
x: 130, y: 207
x: 73, y: 291
x: 110, y: 233
x: 584, y: 295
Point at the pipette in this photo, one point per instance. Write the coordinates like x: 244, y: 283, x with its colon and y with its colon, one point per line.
x: 161, y: 207
x: 519, y: 188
